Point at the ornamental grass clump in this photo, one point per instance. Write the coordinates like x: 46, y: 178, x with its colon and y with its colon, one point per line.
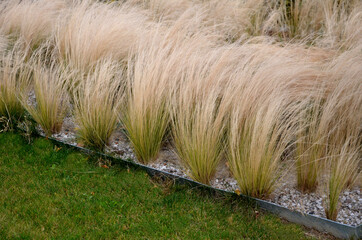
x: 145, y: 115
x: 341, y: 119
x: 157, y: 64
x: 51, y: 99
x: 198, y: 119
x: 14, y: 76
x: 265, y: 109
x: 96, y: 101
x: 343, y: 163
x: 146, y: 118
x: 256, y: 145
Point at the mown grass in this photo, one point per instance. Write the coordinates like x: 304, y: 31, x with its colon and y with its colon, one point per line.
x: 47, y: 192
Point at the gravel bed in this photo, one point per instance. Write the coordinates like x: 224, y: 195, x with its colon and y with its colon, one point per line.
x: 313, y: 203
x: 169, y: 167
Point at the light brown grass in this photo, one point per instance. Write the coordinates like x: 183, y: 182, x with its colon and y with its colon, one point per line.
x: 91, y: 31
x: 97, y: 100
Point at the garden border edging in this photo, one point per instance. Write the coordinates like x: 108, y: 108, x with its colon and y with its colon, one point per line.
x: 336, y: 229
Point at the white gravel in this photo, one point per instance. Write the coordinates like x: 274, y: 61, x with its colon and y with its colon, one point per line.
x: 350, y: 212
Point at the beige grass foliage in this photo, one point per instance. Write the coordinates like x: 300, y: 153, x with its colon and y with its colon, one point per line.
x: 145, y: 114
x: 198, y: 117
x: 341, y: 120
x: 91, y: 31
x: 256, y: 145
x: 32, y: 21
x: 14, y: 76
x: 51, y: 99
x: 97, y: 101
x: 310, y: 145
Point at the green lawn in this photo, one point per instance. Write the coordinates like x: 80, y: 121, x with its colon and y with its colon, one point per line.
x: 47, y: 193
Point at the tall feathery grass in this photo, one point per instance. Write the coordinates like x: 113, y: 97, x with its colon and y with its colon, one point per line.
x: 97, y: 100
x: 51, y: 99
x: 154, y: 68
x: 310, y: 146
x: 343, y: 163
x: 32, y: 21
x: 90, y: 31
x: 256, y: 145
x: 264, y: 114
x: 14, y: 77
x: 341, y: 120
x: 145, y: 115
x: 198, y: 117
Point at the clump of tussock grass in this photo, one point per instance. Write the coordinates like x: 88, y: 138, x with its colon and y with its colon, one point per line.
x: 14, y: 76
x: 32, y: 21
x: 342, y: 163
x: 198, y: 117
x: 91, y: 31
x: 49, y: 88
x: 152, y: 72
x: 341, y: 122
x: 265, y: 109
x: 145, y: 115
x: 256, y: 145
x: 96, y: 101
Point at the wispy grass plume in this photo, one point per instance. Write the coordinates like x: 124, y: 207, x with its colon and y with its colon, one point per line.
x: 51, y: 100
x: 90, y: 31
x: 198, y: 119
x: 14, y: 76
x: 96, y: 104
x: 256, y: 144
x: 341, y: 121
x: 310, y: 146
x: 343, y: 163
x: 156, y: 66
x: 145, y: 115
x: 32, y: 21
